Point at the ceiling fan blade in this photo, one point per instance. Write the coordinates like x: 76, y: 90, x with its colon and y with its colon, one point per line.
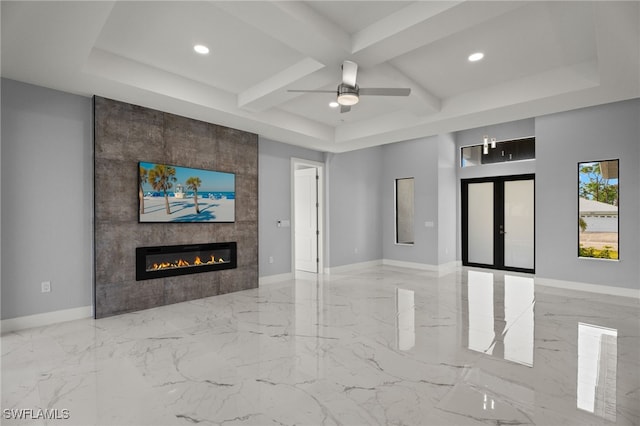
x: 385, y: 91
x: 349, y: 72
x: 311, y: 91
x: 345, y: 108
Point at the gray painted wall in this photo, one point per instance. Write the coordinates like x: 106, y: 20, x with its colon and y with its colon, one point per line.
x: 355, y: 206
x: 31, y: 115
x: 47, y: 200
x: 562, y: 140
x: 274, y: 202
x: 418, y: 159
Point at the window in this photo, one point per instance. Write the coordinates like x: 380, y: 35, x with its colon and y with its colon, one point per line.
x: 505, y: 151
x: 598, y: 200
x: 404, y: 211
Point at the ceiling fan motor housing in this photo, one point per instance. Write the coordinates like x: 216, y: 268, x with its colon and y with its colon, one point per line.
x: 348, y: 95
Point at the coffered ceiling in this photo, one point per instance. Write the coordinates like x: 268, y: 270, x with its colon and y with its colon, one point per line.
x: 540, y: 57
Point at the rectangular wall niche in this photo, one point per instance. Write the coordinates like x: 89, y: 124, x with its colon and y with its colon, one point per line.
x: 171, y: 261
x: 404, y: 211
x: 126, y: 134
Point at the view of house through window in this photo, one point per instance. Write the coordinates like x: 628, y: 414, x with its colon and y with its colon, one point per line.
x: 404, y: 211
x: 598, y: 192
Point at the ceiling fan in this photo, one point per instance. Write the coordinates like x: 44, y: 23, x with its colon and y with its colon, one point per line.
x: 348, y: 92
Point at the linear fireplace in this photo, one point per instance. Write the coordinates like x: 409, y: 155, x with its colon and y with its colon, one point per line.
x: 168, y: 261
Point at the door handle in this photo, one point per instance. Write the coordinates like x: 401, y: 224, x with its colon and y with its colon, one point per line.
x: 502, y: 231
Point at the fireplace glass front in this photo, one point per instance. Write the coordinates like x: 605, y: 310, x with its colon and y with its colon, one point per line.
x: 166, y: 261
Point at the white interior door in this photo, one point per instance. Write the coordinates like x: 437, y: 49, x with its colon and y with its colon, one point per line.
x: 480, y: 218
x: 519, y: 224
x: 306, y: 220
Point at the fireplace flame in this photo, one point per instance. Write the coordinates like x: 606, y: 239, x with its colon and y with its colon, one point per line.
x: 181, y: 263
x: 162, y: 265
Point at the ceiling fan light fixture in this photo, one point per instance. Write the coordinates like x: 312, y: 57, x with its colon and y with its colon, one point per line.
x: 347, y: 95
x: 348, y: 99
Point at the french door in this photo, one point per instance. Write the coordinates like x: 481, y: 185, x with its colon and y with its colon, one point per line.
x: 498, y: 223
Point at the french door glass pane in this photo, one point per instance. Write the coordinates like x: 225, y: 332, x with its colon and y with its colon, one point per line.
x: 518, y: 224
x: 480, y: 220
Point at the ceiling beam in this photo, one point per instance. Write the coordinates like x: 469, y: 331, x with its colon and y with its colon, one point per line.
x: 322, y: 42
x: 272, y: 90
x: 420, y: 24
x: 295, y: 25
x: 394, y: 25
x: 56, y: 41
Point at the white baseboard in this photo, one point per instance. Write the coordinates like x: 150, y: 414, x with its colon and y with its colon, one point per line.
x: 271, y: 279
x: 449, y: 267
x: 443, y: 269
x: 593, y: 288
x: 352, y: 267
x: 411, y: 265
x: 48, y: 318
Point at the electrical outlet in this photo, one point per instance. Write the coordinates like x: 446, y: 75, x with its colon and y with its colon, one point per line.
x: 270, y: 259
x: 46, y: 286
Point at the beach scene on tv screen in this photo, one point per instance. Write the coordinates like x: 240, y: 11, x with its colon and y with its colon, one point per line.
x: 169, y: 193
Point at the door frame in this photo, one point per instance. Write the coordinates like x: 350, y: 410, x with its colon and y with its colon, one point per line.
x: 498, y: 220
x: 297, y: 163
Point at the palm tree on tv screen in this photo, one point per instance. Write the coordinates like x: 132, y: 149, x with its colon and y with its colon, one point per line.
x: 142, y: 181
x: 194, y: 183
x: 161, y: 178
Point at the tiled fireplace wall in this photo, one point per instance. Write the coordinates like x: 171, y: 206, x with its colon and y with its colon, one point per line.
x: 125, y: 134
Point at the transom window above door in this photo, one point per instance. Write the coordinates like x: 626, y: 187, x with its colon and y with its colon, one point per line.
x: 492, y: 151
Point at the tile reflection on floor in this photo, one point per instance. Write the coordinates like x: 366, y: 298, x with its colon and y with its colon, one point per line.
x: 382, y: 345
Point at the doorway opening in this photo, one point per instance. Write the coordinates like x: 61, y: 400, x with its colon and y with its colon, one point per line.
x: 307, y: 206
x: 498, y: 222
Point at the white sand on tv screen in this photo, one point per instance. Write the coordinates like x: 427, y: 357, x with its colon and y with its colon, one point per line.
x: 183, y: 210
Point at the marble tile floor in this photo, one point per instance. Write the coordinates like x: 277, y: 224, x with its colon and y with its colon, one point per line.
x: 377, y: 346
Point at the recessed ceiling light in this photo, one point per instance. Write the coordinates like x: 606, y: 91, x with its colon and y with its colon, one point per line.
x: 201, y: 49
x: 334, y: 104
x: 476, y: 56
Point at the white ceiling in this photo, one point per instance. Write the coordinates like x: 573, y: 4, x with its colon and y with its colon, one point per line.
x: 540, y: 58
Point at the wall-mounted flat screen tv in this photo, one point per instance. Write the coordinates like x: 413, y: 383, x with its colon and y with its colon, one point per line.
x: 169, y: 193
